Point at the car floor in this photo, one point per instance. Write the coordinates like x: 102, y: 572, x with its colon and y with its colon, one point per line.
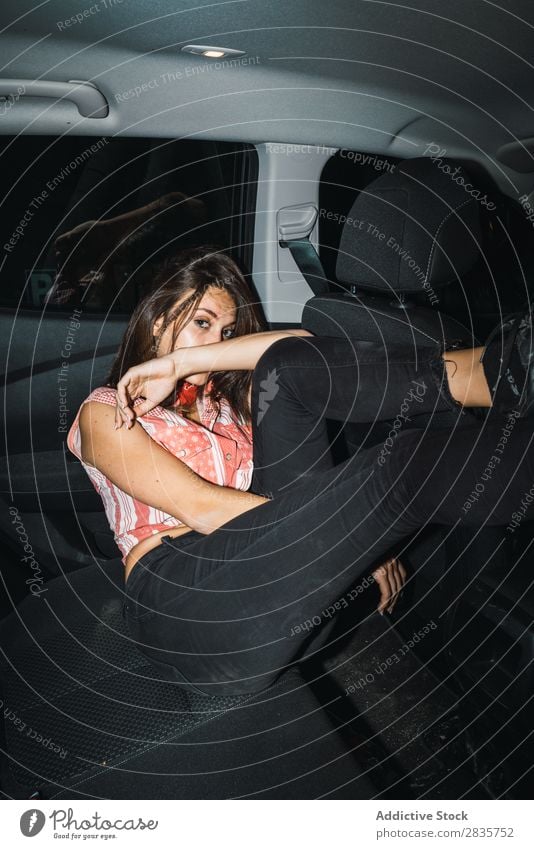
x: 408, y: 732
x: 404, y: 726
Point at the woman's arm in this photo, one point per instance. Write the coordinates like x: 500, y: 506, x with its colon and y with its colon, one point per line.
x: 156, y: 379
x: 138, y: 465
x: 238, y: 354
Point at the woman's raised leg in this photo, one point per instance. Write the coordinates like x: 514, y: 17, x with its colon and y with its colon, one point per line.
x: 233, y: 609
x: 301, y: 381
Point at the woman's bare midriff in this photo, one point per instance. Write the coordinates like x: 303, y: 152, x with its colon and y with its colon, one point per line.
x: 148, y: 544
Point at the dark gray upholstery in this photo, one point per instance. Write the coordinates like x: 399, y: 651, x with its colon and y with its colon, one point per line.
x: 38, y: 475
x: 417, y: 227
x: 409, y: 233
x: 368, y: 318
x: 47, y: 480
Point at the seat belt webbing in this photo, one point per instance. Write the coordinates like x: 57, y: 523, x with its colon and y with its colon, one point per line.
x: 308, y: 263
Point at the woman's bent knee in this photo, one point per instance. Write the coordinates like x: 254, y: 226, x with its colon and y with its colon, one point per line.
x: 283, y: 352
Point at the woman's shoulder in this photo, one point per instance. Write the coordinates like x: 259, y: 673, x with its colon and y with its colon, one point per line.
x: 103, y: 394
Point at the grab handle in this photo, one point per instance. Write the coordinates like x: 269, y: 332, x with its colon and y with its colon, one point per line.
x: 90, y: 101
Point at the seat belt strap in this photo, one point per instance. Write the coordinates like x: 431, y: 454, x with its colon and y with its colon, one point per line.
x: 308, y: 263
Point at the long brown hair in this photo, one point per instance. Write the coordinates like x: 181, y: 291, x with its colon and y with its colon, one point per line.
x: 196, y: 269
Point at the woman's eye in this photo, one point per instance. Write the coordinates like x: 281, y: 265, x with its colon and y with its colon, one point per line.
x: 229, y: 332
x: 203, y: 323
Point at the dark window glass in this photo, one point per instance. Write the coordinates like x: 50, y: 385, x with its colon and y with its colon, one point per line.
x: 84, y: 220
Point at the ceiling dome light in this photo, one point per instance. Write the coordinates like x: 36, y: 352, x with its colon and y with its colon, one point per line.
x: 212, y: 52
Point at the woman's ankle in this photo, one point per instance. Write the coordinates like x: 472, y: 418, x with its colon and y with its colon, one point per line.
x: 467, y: 380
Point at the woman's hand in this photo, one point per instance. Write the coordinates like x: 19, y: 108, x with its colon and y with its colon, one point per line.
x: 152, y: 381
x: 390, y: 577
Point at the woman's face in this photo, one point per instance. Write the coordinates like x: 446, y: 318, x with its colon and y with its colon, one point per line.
x: 212, y: 321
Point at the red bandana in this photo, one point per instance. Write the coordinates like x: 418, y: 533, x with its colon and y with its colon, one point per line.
x: 187, y: 394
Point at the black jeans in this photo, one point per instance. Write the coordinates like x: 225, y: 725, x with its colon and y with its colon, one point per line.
x: 228, y: 612
x: 302, y: 381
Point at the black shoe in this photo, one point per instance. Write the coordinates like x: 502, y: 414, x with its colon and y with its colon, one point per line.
x: 508, y: 362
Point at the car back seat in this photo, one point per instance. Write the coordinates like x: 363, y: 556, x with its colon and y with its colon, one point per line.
x: 53, y: 361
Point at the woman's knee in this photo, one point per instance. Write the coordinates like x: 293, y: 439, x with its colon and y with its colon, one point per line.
x: 275, y: 370
x: 282, y: 353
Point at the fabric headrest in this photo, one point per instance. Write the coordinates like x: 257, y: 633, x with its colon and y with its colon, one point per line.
x: 412, y: 229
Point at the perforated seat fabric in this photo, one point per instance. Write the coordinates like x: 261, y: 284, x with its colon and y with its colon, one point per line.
x: 95, y: 720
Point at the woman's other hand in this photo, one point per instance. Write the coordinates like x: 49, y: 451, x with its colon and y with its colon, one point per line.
x: 390, y: 577
x: 152, y: 381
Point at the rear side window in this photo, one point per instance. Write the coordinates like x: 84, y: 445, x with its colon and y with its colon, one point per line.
x: 84, y: 220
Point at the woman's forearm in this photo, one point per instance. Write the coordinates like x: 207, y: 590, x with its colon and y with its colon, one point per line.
x: 217, y: 505
x: 239, y: 354
x: 149, y: 383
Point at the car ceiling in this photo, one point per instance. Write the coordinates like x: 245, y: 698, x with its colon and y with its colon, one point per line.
x: 370, y: 75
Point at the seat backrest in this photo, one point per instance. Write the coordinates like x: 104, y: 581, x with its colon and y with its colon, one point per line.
x: 53, y: 361
x: 413, y: 229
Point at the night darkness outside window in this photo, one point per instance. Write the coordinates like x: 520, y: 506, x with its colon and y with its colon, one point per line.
x: 84, y: 220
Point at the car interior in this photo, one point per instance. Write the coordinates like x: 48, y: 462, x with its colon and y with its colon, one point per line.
x: 340, y: 163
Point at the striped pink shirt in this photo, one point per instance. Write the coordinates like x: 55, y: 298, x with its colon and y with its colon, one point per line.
x: 219, y: 450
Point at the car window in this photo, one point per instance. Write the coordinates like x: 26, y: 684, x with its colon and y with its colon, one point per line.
x: 84, y: 219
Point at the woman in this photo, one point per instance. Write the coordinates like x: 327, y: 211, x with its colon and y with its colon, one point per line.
x: 199, y: 297
x: 220, y: 603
